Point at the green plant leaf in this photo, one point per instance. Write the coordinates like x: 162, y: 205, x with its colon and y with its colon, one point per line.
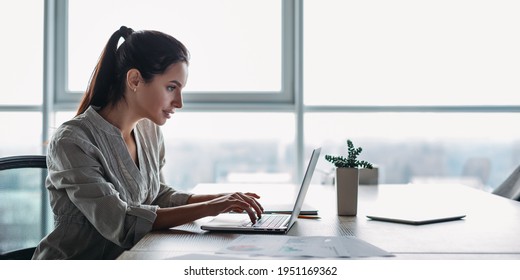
x: 351, y: 161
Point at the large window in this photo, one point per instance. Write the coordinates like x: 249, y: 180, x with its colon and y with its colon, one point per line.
x: 428, y: 88
x: 240, y: 53
x: 272, y: 79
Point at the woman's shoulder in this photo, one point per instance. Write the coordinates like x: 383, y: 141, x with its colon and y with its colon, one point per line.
x: 78, y: 130
x: 87, y: 124
x: 72, y: 128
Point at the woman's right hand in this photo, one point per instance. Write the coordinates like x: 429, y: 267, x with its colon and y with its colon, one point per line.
x: 237, y: 202
x: 200, y: 205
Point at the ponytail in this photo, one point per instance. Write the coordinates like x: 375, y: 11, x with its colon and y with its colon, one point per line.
x: 100, y: 90
x: 150, y: 52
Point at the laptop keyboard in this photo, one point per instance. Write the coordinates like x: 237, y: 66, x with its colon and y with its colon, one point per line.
x: 271, y: 221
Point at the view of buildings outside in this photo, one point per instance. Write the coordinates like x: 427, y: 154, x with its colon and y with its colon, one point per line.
x: 481, y: 165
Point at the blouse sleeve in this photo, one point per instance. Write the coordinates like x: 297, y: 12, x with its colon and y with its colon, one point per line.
x: 77, y: 167
x: 169, y: 197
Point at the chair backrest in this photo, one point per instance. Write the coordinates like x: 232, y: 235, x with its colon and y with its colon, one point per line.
x: 510, y: 188
x: 25, y: 216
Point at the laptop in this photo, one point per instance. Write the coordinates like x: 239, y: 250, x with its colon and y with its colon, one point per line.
x: 269, y: 223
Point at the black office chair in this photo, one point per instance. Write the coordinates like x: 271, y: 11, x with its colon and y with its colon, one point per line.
x: 24, y: 206
x: 510, y: 188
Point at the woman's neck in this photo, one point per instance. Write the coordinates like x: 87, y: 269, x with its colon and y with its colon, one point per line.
x: 120, y: 117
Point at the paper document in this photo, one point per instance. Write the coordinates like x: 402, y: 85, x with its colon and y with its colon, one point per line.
x: 303, y: 246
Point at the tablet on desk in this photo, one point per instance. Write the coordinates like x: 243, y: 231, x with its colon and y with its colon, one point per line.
x: 416, y: 217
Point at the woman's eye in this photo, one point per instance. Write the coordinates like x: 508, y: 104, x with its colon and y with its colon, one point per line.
x: 170, y: 88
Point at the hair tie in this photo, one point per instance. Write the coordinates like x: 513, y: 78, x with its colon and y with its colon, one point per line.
x: 125, y: 31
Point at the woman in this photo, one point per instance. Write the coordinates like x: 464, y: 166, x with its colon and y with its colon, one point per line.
x: 105, y: 183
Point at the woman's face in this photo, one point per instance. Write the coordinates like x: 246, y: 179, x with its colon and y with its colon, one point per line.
x: 158, y: 99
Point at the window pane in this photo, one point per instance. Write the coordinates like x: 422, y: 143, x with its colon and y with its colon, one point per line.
x: 21, y: 52
x: 477, y: 149
x: 235, y: 45
x: 406, y: 52
x: 226, y: 147
x: 61, y: 117
x: 24, y: 133
x: 229, y: 147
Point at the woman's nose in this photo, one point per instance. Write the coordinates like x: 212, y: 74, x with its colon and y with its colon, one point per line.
x: 177, y: 101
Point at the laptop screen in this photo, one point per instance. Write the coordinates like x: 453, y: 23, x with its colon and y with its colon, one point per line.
x: 305, y: 185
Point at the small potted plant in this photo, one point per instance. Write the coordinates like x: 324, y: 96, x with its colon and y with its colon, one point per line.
x: 347, y: 178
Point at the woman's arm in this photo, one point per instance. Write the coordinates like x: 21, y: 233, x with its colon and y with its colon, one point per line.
x: 200, y: 206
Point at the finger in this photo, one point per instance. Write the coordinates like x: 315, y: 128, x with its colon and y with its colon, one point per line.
x: 252, y: 194
x: 253, y: 204
x: 243, y: 206
x: 259, y: 209
x: 251, y: 214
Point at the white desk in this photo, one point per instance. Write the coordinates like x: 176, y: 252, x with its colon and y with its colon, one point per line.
x: 491, y: 229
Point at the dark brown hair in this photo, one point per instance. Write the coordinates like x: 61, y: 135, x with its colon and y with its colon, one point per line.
x: 150, y: 52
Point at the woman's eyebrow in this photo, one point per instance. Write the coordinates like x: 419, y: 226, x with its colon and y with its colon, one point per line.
x: 176, y: 82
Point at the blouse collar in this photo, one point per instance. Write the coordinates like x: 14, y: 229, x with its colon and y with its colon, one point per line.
x: 92, y: 114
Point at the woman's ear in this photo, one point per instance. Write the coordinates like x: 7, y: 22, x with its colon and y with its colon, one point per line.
x: 133, y: 78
